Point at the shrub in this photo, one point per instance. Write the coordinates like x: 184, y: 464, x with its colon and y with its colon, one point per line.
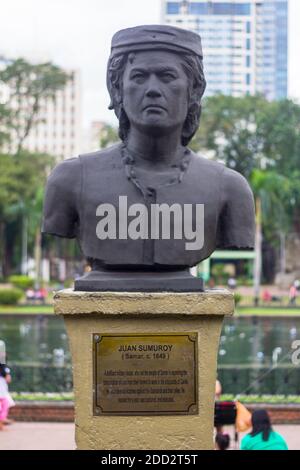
x: 219, y: 274
x: 10, y: 296
x: 69, y: 283
x: 237, y: 298
x: 265, y: 399
x: 243, y: 281
x: 20, y: 281
x: 42, y: 396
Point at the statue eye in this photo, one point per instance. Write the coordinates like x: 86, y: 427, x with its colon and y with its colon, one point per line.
x: 138, y: 77
x: 168, y: 76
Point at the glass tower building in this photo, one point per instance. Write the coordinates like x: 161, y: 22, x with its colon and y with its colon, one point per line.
x: 244, y: 43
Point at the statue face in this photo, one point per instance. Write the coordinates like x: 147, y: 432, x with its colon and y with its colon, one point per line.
x: 155, y: 91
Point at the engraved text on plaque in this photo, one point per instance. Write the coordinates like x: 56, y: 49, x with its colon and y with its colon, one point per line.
x: 145, y: 374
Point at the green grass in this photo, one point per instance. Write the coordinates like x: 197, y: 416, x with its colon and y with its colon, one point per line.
x: 247, y: 300
x: 25, y: 309
x: 240, y: 311
x: 25, y: 396
x: 266, y: 399
x: 255, y: 399
x: 268, y: 311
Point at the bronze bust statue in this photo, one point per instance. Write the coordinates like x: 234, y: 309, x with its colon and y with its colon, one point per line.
x: 147, y: 209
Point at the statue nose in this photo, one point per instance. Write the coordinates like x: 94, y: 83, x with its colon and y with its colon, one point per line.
x: 153, y: 90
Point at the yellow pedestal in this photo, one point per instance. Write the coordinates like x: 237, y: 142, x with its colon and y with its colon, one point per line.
x: 90, y: 313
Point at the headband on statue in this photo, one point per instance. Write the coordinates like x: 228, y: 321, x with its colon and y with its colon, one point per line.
x: 141, y: 38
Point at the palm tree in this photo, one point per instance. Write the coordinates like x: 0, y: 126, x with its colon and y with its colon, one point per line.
x: 272, y: 195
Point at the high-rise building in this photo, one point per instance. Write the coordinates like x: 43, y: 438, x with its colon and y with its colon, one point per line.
x: 59, y: 130
x: 244, y: 43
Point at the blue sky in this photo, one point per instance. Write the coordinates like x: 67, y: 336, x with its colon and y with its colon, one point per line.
x: 77, y: 34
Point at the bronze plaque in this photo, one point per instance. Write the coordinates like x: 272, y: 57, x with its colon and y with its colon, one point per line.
x: 145, y: 374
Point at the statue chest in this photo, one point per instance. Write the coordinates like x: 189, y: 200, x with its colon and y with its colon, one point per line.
x: 147, y: 221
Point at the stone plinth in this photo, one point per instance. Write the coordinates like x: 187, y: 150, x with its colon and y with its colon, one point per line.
x: 90, y: 313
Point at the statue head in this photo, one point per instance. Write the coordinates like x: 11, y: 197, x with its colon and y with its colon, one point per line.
x: 168, y: 52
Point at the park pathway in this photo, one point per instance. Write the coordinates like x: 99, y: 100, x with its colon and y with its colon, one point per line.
x: 60, y: 436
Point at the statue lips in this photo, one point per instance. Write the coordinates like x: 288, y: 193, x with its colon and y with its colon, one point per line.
x: 156, y: 108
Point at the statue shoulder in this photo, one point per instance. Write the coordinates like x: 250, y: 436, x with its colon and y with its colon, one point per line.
x: 69, y: 171
x: 236, y: 185
x: 231, y: 182
x: 61, y: 202
x: 101, y: 155
x: 236, y: 225
x: 66, y: 173
x: 207, y: 170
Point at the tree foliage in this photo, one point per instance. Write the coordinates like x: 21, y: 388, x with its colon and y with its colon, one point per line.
x: 29, y: 85
x: 274, y: 192
x: 261, y: 140
x: 108, y: 136
x: 23, y: 174
x: 250, y: 133
x: 22, y: 181
x: 4, y: 125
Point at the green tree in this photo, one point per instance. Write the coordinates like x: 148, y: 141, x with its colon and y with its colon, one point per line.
x: 230, y: 130
x: 250, y: 132
x: 4, y: 125
x: 108, y: 136
x: 22, y: 175
x: 281, y: 129
x: 294, y: 207
x: 22, y: 179
x: 8, y: 197
x: 272, y: 192
x: 30, y: 86
x: 261, y: 140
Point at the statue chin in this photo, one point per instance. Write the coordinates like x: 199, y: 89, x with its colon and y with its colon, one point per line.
x: 155, y: 126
